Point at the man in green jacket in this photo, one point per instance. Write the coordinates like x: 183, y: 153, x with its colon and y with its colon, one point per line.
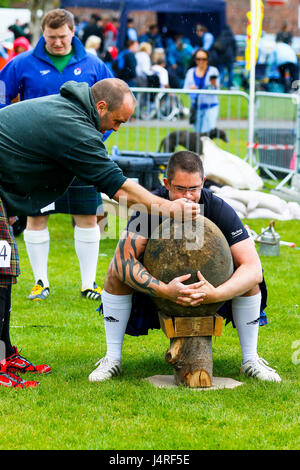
x: 44, y: 143
x: 59, y: 56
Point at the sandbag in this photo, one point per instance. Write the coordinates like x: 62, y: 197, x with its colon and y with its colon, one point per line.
x: 254, y: 199
x: 257, y: 205
x: 238, y: 206
x: 232, y: 193
x: 225, y: 168
x: 263, y: 213
x: 294, y: 209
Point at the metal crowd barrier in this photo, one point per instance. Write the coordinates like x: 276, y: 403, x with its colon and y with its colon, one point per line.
x: 275, y: 135
x: 161, y: 112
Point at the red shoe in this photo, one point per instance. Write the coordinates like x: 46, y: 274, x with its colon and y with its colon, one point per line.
x: 8, y: 379
x: 17, y: 363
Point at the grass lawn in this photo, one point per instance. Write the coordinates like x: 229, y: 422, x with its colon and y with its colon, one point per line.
x: 68, y: 412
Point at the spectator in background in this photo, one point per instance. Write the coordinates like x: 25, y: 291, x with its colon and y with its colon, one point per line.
x: 20, y: 30
x: 225, y: 48
x: 179, y: 55
x: 92, y: 44
x: 110, y: 31
x: 205, y: 107
x: 109, y: 57
x: 124, y: 66
x: 285, y: 59
x: 19, y: 45
x: 197, y: 40
x: 284, y: 35
x: 153, y: 36
x: 131, y: 33
x: 17, y: 29
x: 206, y: 39
x: 93, y: 28
x: 76, y: 22
x: 159, y: 67
x: 143, y: 68
x: 79, y: 27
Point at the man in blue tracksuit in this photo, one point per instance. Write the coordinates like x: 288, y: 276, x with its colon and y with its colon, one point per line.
x: 58, y: 57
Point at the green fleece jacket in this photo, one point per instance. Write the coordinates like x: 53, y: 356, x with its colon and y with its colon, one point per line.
x: 46, y: 142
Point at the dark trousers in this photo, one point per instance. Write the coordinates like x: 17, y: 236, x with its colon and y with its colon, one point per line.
x: 292, y: 69
x: 6, y: 349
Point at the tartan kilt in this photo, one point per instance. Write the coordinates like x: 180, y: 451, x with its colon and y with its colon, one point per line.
x: 79, y: 199
x: 8, y: 274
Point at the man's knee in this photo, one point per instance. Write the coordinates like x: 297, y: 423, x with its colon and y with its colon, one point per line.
x: 113, y: 283
x: 37, y: 223
x: 255, y: 290
x: 85, y: 221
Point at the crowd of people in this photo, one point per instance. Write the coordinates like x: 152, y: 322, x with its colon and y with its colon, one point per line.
x: 155, y: 59
x: 99, y: 35
x: 170, y: 56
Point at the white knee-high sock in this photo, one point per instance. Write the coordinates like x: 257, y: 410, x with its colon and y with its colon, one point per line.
x: 116, y: 313
x: 246, y: 313
x: 87, y: 250
x: 37, y: 244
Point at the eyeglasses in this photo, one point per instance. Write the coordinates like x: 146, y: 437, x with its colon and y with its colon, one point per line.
x: 183, y: 189
x: 201, y: 59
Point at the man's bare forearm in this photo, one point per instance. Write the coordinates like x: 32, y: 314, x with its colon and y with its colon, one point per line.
x: 132, y: 193
x: 242, y: 280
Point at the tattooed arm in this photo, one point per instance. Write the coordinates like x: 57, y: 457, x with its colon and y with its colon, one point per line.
x: 129, y: 270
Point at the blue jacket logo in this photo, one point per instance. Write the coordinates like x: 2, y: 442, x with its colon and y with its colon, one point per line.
x: 77, y: 71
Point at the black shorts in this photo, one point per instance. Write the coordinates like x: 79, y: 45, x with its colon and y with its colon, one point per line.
x: 79, y: 199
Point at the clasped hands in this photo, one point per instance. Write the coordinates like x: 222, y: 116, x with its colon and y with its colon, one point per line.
x: 191, y: 295
x: 184, y: 209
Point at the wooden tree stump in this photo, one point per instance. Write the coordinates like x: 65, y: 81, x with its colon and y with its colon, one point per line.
x: 192, y: 362
x: 189, y: 353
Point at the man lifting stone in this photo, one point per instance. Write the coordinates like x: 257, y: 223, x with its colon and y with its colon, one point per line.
x: 126, y: 301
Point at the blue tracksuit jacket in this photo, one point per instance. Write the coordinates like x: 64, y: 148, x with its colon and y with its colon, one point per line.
x: 32, y: 74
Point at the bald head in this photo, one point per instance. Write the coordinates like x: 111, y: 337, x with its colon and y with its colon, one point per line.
x: 114, y: 92
x: 114, y: 101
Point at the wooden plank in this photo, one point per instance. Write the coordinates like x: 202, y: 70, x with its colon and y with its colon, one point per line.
x: 218, y: 325
x: 181, y: 327
x: 166, y: 324
x: 193, y: 326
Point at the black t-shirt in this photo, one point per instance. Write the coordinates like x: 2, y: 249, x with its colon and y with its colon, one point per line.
x: 212, y: 207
